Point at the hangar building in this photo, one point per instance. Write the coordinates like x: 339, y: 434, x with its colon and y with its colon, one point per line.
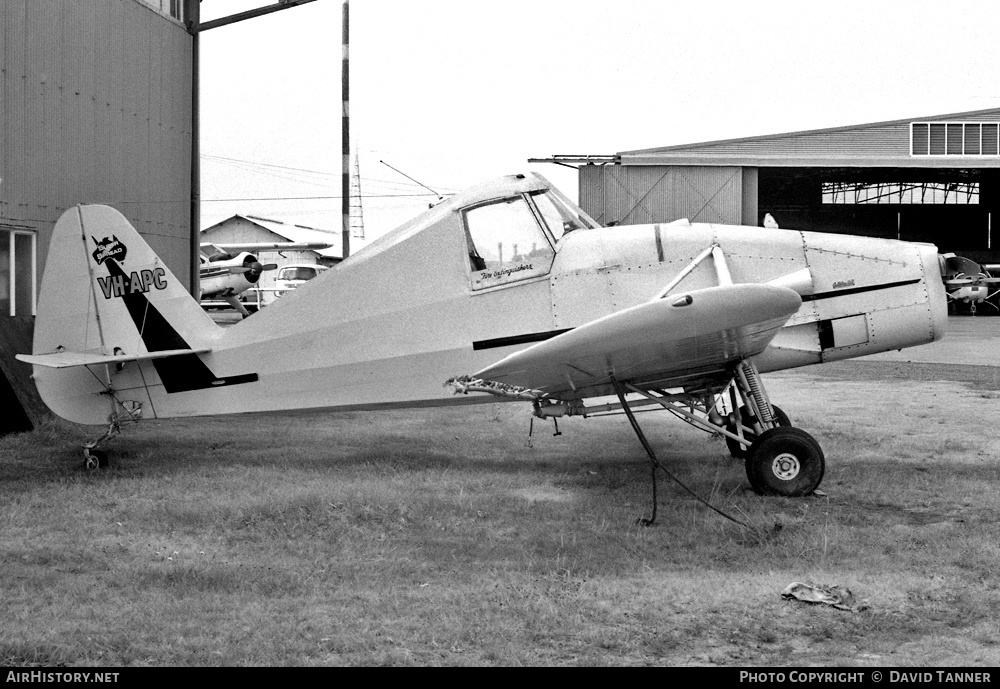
x: 932, y: 179
x: 96, y: 106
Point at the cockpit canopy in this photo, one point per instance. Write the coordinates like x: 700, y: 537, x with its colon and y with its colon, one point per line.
x: 514, y: 238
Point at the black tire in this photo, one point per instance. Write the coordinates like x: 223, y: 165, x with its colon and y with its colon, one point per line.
x: 785, y: 461
x: 737, y: 450
x: 100, y: 457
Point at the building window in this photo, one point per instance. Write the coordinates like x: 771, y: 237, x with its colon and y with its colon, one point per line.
x: 18, y: 257
x: 168, y: 8
x: 954, y: 138
x: 901, y: 192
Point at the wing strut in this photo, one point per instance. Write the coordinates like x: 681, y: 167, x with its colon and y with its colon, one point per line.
x: 655, y: 463
x: 721, y: 270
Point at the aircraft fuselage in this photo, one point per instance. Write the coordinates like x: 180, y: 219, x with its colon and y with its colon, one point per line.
x: 390, y: 325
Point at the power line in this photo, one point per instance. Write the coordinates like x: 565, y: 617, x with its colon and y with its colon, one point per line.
x: 286, y: 168
x: 309, y: 198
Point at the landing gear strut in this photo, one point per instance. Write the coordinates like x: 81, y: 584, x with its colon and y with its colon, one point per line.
x: 780, y: 459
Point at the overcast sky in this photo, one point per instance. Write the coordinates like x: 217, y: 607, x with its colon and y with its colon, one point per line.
x: 452, y: 92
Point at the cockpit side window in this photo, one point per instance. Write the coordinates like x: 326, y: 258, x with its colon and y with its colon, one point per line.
x: 559, y: 217
x: 506, y: 243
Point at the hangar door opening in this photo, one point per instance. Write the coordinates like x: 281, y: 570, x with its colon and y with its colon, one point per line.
x: 952, y: 208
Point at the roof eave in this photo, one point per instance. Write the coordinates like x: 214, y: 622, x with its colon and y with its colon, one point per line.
x: 813, y: 161
x: 811, y: 132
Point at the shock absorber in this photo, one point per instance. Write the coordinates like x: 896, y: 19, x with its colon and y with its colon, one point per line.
x: 752, y: 378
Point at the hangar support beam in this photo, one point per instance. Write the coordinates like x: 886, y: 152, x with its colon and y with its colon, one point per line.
x: 249, y: 14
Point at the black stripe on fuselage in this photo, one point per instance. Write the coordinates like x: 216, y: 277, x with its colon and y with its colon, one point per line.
x: 517, y: 339
x: 549, y: 334
x: 178, y: 373
x: 858, y: 290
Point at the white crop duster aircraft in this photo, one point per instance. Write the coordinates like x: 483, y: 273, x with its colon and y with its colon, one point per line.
x: 506, y: 289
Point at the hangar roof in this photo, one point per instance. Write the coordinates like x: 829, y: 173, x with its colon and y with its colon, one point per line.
x: 956, y: 140
x: 287, y: 232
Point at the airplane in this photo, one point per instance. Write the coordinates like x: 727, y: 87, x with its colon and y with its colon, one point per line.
x: 225, y: 275
x: 507, y: 291
x: 968, y: 282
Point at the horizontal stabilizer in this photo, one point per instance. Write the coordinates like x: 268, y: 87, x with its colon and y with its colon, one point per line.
x: 67, y: 359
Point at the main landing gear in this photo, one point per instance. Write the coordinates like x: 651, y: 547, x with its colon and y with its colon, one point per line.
x: 779, y: 458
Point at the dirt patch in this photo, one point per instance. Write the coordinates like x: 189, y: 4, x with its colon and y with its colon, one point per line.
x: 543, y: 494
x: 891, y: 515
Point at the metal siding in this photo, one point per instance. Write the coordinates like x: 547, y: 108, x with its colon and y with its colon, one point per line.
x: 635, y: 195
x: 95, y: 106
x: 708, y: 194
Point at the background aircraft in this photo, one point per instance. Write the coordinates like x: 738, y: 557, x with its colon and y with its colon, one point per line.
x: 970, y: 283
x: 225, y: 275
x: 507, y: 289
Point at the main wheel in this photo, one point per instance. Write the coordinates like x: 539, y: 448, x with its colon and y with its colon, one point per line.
x: 737, y: 450
x: 785, y: 461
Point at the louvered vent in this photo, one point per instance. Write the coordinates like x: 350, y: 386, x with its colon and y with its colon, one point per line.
x: 954, y: 138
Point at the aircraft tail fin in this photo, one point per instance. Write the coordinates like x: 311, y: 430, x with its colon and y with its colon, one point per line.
x: 105, y: 291
x: 107, y: 299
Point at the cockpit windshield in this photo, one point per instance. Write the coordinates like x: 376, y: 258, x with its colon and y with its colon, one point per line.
x: 559, y: 215
x: 514, y: 238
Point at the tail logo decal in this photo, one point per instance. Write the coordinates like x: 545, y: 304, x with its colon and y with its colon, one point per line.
x: 109, y: 248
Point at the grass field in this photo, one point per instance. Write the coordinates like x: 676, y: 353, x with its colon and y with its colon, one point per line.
x: 441, y: 537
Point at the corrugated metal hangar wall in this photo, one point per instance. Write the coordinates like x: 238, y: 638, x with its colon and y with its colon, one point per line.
x: 95, y: 107
x: 634, y: 194
x: 933, y: 179
x: 95, y: 104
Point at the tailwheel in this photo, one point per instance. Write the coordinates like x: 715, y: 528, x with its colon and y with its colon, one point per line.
x: 785, y: 461
x: 98, y: 459
x: 737, y: 450
x: 94, y: 459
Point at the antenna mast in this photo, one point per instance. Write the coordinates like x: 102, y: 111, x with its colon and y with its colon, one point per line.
x: 357, y: 217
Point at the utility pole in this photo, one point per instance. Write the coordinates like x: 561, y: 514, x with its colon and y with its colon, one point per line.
x: 345, y: 137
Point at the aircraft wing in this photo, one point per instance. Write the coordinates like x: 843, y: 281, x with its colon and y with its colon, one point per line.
x: 658, y: 344
x: 67, y: 359
x: 265, y: 246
